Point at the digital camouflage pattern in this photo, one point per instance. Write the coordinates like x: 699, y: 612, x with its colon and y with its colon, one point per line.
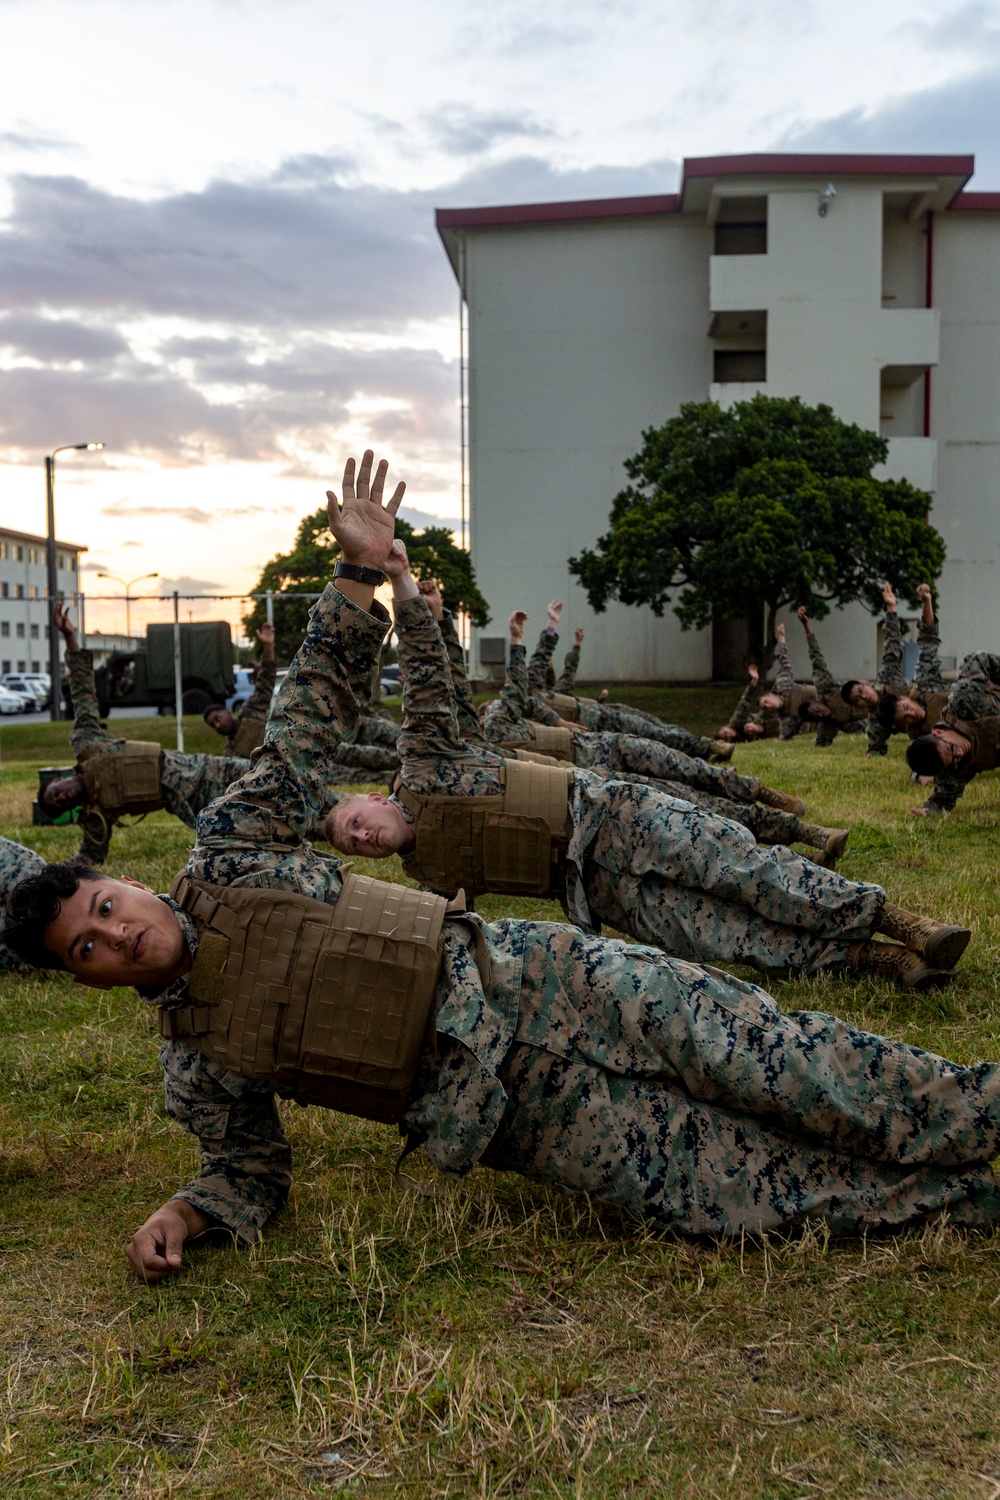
x: 927, y: 678
x: 975, y: 694
x: 252, y: 718
x: 822, y: 685
x: 189, y: 782
x: 648, y: 864
x: 373, y: 729
x: 16, y: 862
x: 614, y: 718
x: 670, y: 1088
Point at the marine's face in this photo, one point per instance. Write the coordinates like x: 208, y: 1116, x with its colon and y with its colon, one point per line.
x: 863, y: 695
x: 771, y: 703
x: 222, y: 721
x: 908, y: 711
x: 371, y: 826
x: 112, y: 932
x: 727, y: 732
x: 752, y: 729
x: 817, y: 710
x: 59, y: 796
x: 952, y: 745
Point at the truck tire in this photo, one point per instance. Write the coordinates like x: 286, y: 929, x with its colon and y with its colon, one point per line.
x: 195, y: 700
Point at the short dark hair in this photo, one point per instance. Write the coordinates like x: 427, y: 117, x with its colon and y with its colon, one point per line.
x: 35, y: 902
x: 886, y: 711
x: 214, y: 708
x: 923, y: 756
x: 845, y: 691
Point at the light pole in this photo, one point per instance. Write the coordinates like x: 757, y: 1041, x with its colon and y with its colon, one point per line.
x: 55, y: 697
x: 126, y: 587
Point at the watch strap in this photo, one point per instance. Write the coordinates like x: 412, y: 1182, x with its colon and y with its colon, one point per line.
x: 357, y: 574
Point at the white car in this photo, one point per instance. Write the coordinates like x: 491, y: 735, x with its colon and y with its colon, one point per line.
x: 15, y: 703
x: 27, y: 683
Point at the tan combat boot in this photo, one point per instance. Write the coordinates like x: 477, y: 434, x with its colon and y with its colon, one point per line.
x: 781, y: 801
x: 940, y: 944
x: 830, y: 841
x: 894, y: 962
x: 720, y: 750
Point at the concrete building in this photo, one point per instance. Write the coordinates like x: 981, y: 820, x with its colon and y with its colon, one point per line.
x: 24, y: 610
x: 871, y: 283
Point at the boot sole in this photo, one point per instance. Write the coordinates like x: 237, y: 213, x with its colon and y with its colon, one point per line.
x: 836, y: 844
x: 945, y: 947
x: 926, y: 978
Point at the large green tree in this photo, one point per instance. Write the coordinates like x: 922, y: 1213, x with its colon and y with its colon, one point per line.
x: 736, y: 513
x: 309, y: 566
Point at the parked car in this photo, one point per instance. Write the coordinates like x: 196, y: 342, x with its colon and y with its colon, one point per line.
x: 243, y: 677
x: 390, y: 679
x: 27, y: 682
x: 16, y: 703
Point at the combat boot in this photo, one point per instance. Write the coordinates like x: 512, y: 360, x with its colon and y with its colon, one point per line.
x: 719, y: 750
x: 893, y: 962
x: 941, y: 945
x: 832, y: 841
x: 781, y: 801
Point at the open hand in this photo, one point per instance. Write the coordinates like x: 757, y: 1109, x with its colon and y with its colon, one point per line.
x: 266, y: 637
x: 553, y: 610
x: 919, y: 812
x: 360, y: 523
x: 888, y: 597
x: 431, y: 590
x: 65, y: 627
x: 779, y: 631
x: 753, y: 675
x: 515, y: 626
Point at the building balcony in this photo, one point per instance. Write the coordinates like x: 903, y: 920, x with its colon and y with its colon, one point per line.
x: 912, y: 458
x: 910, y: 338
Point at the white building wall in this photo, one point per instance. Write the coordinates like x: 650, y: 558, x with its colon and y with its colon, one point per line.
x: 580, y: 336
x: 24, y: 644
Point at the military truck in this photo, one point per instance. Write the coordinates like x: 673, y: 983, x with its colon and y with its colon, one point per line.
x: 146, y: 675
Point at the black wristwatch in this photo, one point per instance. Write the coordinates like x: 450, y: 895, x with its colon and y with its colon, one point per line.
x: 356, y: 574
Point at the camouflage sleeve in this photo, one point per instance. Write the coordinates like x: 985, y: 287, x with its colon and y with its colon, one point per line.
x: 280, y: 798
x: 982, y: 667
x: 95, y: 833
x: 430, y: 720
x: 785, y: 680
x: 975, y: 697
x: 743, y: 710
x: 566, y: 682
x: 465, y: 708
x: 258, y: 705
x: 878, y: 737
x: 928, y: 673
x: 890, y: 672
x: 16, y: 862
x: 246, y: 1160
x: 822, y: 680
x: 540, y: 712
x: 948, y: 787
x: 88, y: 730
x: 541, y: 659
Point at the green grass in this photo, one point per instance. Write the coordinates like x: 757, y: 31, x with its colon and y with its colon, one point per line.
x: 489, y: 1338
x: 47, y: 744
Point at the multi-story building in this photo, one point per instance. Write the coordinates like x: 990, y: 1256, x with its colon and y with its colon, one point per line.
x: 871, y: 283
x: 24, y: 610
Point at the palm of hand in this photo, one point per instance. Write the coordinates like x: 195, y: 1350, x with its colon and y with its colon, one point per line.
x: 360, y: 524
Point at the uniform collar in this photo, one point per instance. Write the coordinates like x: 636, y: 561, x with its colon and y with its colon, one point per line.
x: 175, y: 993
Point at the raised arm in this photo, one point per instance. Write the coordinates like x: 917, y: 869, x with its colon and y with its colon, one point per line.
x: 784, y: 682
x: 823, y: 681
x: 540, y: 664
x: 566, y: 682
x: 465, y: 708
x: 928, y: 674
x: 430, y: 719
x: 258, y: 705
x: 88, y: 730
x: 890, y: 672
x: 744, y: 708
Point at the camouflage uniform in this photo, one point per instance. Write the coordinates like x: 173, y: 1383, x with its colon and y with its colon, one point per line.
x: 16, y: 862
x: 589, y: 1064
x: 611, y: 718
x: 747, y: 708
x: 649, y: 864
x: 927, y: 679
x: 373, y: 729
x: 508, y: 719
x: 823, y: 686
x: 248, y: 735
x: 975, y: 695
x: 189, y: 782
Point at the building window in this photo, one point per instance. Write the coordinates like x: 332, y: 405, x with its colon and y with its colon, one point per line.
x: 22, y: 666
x: 19, y: 554
x: 71, y: 564
x: 5, y: 628
x: 19, y: 630
x: 36, y: 666
x: 34, y: 632
x: 5, y: 667
x: 32, y: 590
x: 4, y: 590
x: 19, y: 591
x: 742, y: 365
x: 4, y: 549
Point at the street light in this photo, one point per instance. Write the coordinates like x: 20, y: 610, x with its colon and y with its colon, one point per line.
x: 50, y: 560
x: 126, y: 587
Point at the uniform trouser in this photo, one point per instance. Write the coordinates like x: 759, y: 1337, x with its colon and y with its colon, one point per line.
x: 614, y: 753
x: 367, y: 757
x: 191, y: 782
x: 767, y: 824
x: 701, y: 888
x: 686, y: 1096
x: 616, y: 719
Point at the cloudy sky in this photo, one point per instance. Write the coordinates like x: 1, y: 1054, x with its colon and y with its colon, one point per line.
x: 217, y: 251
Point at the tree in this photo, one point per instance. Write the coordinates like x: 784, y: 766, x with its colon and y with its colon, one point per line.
x: 309, y: 567
x: 744, y: 511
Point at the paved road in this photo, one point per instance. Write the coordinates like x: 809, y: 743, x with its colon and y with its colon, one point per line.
x: 43, y: 718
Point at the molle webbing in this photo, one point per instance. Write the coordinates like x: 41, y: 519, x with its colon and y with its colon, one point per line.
x: 126, y: 780
x: 248, y: 737
x: 984, y: 735
x: 536, y: 758
x: 935, y: 705
x: 327, y: 1004
x: 552, y: 739
x: 565, y: 706
x: 795, y: 698
x: 513, y: 845
x: 841, y: 712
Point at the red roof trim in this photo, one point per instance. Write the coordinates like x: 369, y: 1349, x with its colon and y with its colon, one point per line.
x: 544, y: 213
x: 782, y: 163
x: 972, y: 202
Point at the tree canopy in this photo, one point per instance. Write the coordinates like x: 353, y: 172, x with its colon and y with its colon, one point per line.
x: 309, y: 566
x: 741, y: 512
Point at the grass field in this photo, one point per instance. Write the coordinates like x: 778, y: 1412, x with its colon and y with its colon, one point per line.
x: 489, y: 1338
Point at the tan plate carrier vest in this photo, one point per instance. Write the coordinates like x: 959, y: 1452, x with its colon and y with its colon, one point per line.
x: 552, y: 739
x: 327, y: 1004
x: 795, y: 698
x: 934, y: 703
x: 565, y: 706
x: 513, y: 845
x: 124, y: 781
x: 249, y: 736
x: 841, y: 712
x: 984, y: 735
